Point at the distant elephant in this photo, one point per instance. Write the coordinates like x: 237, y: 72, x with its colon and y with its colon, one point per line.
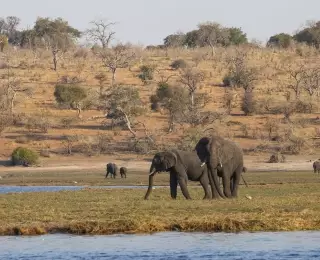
x: 123, y: 172
x: 183, y: 166
x: 111, y: 168
x: 218, y: 152
x: 316, y: 166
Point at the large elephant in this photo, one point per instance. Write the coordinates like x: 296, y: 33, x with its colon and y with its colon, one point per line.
x: 183, y: 166
x: 218, y: 153
x: 111, y: 168
x: 316, y: 166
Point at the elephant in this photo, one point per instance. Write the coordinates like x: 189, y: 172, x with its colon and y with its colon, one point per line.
x: 217, y: 152
x: 316, y: 166
x: 123, y: 172
x: 183, y: 166
x: 111, y: 168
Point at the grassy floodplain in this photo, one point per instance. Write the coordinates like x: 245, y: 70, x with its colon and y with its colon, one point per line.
x: 281, y: 201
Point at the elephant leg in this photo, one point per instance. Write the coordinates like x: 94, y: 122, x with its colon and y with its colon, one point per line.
x: 226, y: 186
x: 183, y: 186
x: 107, y: 174
x: 204, y: 181
x: 173, y: 185
x: 231, y: 184
x: 236, y: 181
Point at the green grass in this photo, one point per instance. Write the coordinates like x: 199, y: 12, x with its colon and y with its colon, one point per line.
x: 286, y: 201
x: 97, y: 177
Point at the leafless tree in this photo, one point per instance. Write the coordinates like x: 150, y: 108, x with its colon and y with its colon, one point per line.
x: 118, y: 57
x: 311, y: 81
x: 240, y: 73
x: 101, y: 32
x: 10, y: 88
x: 11, y: 23
x: 191, y: 78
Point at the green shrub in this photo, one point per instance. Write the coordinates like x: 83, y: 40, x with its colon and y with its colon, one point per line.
x: 178, y: 64
x: 146, y: 73
x: 69, y: 95
x: 24, y: 156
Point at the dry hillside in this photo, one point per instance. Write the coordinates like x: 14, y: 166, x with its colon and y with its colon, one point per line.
x: 280, y: 121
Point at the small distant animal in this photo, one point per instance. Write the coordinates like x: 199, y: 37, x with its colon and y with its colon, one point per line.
x: 316, y: 166
x: 111, y: 168
x: 123, y: 172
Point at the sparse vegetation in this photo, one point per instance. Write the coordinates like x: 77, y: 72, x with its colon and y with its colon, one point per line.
x: 203, y: 78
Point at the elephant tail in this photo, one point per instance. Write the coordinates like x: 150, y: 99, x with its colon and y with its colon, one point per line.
x: 244, y: 169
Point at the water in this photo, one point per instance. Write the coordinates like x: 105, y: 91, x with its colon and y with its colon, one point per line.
x: 19, y: 189
x: 167, y: 245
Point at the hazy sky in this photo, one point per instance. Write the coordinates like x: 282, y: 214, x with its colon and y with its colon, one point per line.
x: 149, y: 21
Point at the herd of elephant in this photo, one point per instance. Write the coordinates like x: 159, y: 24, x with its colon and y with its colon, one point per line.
x: 212, y: 158
x: 112, y: 168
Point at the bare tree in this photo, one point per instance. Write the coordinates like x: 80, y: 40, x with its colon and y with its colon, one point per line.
x: 240, y: 73
x: 11, y: 23
x: 311, y: 81
x: 118, y: 57
x: 10, y: 88
x: 101, y: 32
x: 191, y: 78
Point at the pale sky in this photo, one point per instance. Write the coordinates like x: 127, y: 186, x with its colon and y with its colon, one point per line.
x: 149, y: 21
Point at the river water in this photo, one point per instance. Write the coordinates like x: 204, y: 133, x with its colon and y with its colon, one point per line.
x: 168, y: 245
x: 18, y: 189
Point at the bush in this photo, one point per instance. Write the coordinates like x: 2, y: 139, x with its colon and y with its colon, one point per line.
x: 24, y: 156
x: 81, y: 53
x: 248, y: 104
x: 281, y: 40
x: 69, y: 95
x: 3, y: 65
x: 178, y: 64
x: 146, y: 73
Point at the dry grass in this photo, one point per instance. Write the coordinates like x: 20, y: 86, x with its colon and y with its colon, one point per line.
x: 94, y: 211
x: 280, y: 202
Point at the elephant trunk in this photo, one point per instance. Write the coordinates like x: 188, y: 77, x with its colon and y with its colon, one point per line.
x: 151, y: 175
x: 213, y: 176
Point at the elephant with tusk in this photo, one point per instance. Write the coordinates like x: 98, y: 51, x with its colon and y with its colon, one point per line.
x: 224, y: 158
x: 182, y: 166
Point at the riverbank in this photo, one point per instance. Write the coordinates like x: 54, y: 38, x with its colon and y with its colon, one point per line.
x: 273, y: 207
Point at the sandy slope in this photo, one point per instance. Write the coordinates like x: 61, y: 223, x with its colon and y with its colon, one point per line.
x: 253, y: 163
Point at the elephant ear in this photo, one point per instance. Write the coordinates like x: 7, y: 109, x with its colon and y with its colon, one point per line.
x: 202, y: 148
x: 169, y: 159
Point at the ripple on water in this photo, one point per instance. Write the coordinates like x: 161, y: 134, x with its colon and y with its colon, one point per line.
x: 167, y: 245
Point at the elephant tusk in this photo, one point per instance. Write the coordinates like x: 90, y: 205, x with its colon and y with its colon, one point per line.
x: 152, y: 173
x: 202, y: 164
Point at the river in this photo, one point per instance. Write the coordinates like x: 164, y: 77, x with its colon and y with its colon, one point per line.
x: 168, y: 245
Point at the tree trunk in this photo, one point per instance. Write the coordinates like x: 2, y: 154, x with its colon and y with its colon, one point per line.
x: 212, y: 50
x: 128, y: 123
x: 12, y: 102
x: 55, y: 61
x: 113, y: 77
x: 192, y: 98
